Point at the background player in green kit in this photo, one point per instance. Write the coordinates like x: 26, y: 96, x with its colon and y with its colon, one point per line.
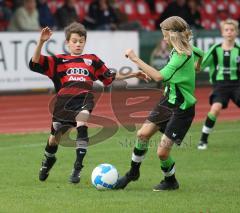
x: 175, y: 111
x: 224, y: 62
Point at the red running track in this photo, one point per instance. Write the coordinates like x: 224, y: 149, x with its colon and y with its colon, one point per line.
x: 29, y: 113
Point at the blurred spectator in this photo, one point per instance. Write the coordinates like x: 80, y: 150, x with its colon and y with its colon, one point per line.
x: 5, y: 15
x: 66, y: 14
x: 222, y: 14
x: 160, y: 55
x: 194, y: 18
x: 176, y: 8
x: 25, y: 18
x: 101, y: 16
x: 122, y: 18
x: 46, y: 18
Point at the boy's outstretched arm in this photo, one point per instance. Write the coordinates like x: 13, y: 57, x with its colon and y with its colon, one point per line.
x: 46, y: 33
x: 147, y: 69
x: 139, y: 74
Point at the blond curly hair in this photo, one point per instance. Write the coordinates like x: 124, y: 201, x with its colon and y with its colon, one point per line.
x: 178, y: 34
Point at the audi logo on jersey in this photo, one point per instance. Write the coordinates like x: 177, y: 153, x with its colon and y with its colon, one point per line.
x: 81, y: 72
x: 77, y: 71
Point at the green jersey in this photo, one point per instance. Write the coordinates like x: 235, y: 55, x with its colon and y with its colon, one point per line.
x: 224, y: 65
x: 179, y: 77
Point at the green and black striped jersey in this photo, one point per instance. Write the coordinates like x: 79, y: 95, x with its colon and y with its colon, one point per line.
x: 224, y: 65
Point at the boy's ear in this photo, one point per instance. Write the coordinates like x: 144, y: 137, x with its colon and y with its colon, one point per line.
x: 66, y: 42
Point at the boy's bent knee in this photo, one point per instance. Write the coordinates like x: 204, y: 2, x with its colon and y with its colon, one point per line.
x: 162, y: 154
x: 52, y: 140
x: 143, y: 135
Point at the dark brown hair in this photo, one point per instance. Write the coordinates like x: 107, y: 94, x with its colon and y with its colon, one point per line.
x: 75, y: 27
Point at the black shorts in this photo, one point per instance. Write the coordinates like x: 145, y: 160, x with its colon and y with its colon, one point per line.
x: 171, y: 120
x: 66, y: 107
x: 223, y: 93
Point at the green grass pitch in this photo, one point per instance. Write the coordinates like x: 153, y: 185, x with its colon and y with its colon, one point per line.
x: 209, y: 180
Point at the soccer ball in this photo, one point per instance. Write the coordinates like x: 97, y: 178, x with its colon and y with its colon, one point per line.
x: 104, y: 176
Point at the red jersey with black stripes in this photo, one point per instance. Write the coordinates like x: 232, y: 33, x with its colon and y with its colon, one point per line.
x: 73, y: 75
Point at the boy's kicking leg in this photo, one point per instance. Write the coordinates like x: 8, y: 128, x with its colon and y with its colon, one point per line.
x: 139, y: 151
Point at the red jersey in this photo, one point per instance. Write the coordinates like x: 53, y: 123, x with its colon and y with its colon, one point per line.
x: 73, y: 75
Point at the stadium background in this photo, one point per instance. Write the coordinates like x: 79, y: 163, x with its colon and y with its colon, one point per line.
x: 16, y: 79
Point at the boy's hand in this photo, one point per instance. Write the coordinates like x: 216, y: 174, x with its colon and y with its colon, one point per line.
x: 46, y: 33
x: 143, y: 76
x: 129, y: 53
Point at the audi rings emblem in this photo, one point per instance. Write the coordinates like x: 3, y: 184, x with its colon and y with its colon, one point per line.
x: 77, y: 71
